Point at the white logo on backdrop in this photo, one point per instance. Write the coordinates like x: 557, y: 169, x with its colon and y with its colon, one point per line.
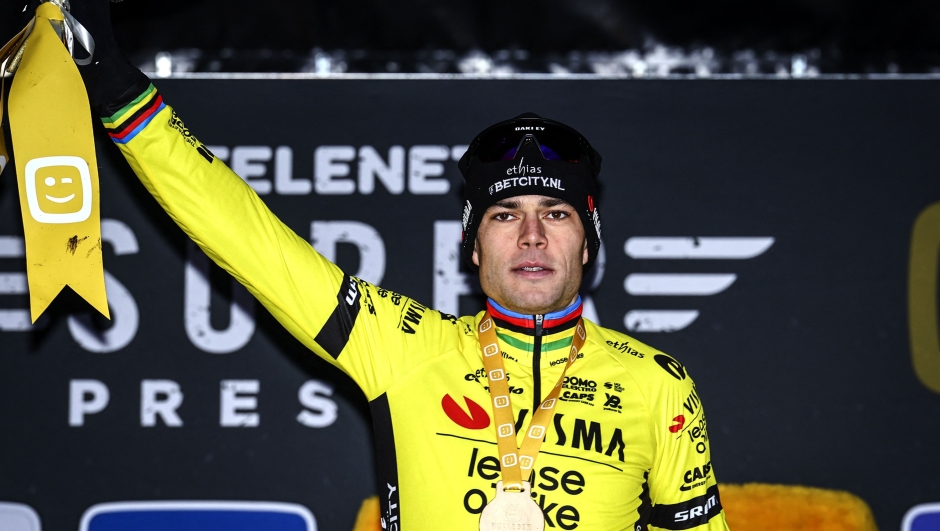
x: 923, y: 517
x: 682, y: 284
x: 344, y: 170
x: 18, y: 517
x: 252, y: 515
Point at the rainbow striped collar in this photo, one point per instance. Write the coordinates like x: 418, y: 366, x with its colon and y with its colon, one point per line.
x: 551, y: 322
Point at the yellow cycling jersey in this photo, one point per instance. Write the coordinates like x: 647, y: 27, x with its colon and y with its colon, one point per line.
x: 627, y: 447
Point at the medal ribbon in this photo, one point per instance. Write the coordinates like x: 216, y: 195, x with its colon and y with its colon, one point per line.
x: 56, y: 164
x: 516, y: 462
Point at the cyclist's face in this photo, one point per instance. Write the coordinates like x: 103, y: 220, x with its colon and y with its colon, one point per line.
x: 530, y: 250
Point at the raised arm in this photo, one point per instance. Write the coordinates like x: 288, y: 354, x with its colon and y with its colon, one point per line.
x: 344, y: 320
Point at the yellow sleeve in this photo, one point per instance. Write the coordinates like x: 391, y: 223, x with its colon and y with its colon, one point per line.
x: 683, y: 488
x: 369, y: 333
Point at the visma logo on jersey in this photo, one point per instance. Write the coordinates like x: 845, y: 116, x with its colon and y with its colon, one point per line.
x: 476, y: 419
x: 924, y: 270
x: 202, y: 515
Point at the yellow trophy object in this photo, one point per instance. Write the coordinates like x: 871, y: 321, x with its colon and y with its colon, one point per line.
x: 56, y: 166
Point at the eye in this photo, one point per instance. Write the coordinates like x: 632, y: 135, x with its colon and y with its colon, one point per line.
x: 503, y: 216
x: 557, y: 214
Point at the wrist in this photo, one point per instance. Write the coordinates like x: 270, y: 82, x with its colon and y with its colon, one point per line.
x: 112, y: 81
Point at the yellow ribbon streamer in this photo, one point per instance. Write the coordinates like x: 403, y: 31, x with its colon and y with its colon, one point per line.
x: 56, y: 166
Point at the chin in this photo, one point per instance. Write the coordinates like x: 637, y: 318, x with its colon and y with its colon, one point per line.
x: 532, y: 303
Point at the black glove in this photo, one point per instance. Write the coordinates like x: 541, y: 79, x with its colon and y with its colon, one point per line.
x: 111, y: 80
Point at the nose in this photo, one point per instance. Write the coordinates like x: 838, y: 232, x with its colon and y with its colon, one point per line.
x: 533, y: 234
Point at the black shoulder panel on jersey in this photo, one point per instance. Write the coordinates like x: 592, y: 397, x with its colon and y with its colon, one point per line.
x: 335, y: 332
x: 386, y: 461
x: 688, y: 514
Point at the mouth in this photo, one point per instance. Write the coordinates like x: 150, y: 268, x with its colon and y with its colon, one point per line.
x: 61, y: 200
x: 532, y: 270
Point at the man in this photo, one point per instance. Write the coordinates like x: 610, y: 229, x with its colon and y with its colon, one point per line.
x: 520, y: 417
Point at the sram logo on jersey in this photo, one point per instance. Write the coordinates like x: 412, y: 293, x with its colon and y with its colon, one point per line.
x: 688, y: 514
x: 698, y: 512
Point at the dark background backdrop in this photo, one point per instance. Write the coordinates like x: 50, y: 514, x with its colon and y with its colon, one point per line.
x: 836, y: 36
x: 803, y: 363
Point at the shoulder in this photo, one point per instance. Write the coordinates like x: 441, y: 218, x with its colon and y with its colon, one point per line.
x: 415, y: 320
x: 654, y: 371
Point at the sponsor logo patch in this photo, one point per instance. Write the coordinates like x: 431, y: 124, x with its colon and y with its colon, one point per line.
x: 679, y: 424
x: 670, y: 365
x: 924, y: 517
x: 475, y: 419
x: 202, y: 515
x: 177, y: 123
x: 696, y: 477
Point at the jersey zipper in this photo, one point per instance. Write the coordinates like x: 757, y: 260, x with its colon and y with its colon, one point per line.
x: 536, y: 366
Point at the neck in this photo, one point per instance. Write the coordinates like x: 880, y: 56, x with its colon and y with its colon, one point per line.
x: 552, y: 322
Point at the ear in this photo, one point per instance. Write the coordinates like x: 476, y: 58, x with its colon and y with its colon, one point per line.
x: 584, y: 254
x: 476, y: 252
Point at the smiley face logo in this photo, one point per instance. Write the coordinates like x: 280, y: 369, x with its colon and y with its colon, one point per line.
x: 58, y: 189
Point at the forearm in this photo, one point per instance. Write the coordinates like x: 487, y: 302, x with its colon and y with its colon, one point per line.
x: 225, y: 217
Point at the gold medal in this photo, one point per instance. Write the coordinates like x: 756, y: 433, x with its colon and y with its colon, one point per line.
x: 512, y: 511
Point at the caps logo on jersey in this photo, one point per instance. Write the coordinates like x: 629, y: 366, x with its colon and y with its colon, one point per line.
x: 476, y: 419
x: 198, y: 515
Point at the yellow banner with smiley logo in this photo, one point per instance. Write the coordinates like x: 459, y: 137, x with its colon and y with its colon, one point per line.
x: 56, y: 166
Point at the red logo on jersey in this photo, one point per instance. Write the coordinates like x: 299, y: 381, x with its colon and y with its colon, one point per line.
x: 476, y: 420
x: 680, y: 422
